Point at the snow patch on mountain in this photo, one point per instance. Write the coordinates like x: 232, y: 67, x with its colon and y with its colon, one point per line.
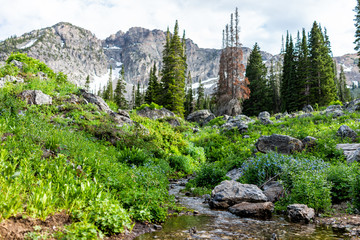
x: 29, y: 44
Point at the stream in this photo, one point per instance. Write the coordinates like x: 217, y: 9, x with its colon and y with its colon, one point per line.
x: 216, y: 224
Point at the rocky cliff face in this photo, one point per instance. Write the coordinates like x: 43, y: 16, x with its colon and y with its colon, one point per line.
x: 78, y: 53
x: 63, y: 47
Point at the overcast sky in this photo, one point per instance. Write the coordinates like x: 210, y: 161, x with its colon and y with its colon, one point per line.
x: 262, y: 21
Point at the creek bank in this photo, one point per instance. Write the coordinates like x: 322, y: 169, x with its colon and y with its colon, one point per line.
x: 220, y: 224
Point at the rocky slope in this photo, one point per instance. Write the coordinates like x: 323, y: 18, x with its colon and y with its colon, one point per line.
x: 63, y: 47
x: 78, y: 53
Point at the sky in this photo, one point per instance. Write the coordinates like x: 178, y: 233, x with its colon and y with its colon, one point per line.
x: 261, y: 21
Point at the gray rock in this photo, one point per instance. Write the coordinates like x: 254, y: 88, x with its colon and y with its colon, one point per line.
x: 256, y: 210
x: 240, y: 122
x: 229, y: 193
x: 18, y: 64
x: 309, y: 142
x: 9, y: 78
x: 96, y: 100
x: 306, y: 115
x: 349, y: 150
x: 273, y: 191
x: 202, y: 116
x: 155, y: 113
x: 264, y: 118
x: 173, y: 122
x: 300, y: 213
x: 124, y: 113
x: 308, y: 109
x: 346, y: 132
x: 120, y: 119
x: 235, y: 174
x: 354, y: 157
x: 35, y: 97
x: 334, y: 110
x: 353, y: 106
x: 279, y: 143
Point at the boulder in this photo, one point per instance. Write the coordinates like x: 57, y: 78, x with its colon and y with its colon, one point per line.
x: 346, y: 132
x: 121, y: 119
x: 300, y: 213
x: 279, y: 143
x: 334, y: 110
x: 353, y: 106
x: 173, y: 122
x: 309, y: 142
x: 155, y: 113
x: 240, y: 122
x: 229, y: 193
x: 264, y: 118
x: 202, y: 116
x: 35, y: 97
x: 235, y: 174
x: 308, y: 109
x: 256, y: 210
x: 273, y: 191
x: 349, y: 150
x: 354, y: 157
x: 9, y: 78
x: 306, y: 115
x: 96, y: 100
x: 124, y: 113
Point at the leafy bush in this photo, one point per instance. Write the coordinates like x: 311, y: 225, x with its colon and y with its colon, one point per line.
x: 336, y: 102
x: 182, y: 163
x: 209, y: 175
x: 133, y: 156
x: 355, y: 192
x: 80, y: 231
x: 151, y: 106
x: 311, y: 188
x: 218, y: 121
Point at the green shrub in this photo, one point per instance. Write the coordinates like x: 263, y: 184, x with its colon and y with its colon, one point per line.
x: 209, y: 175
x: 80, y: 231
x: 341, y: 176
x: 182, y: 163
x: 336, y: 102
x: 133, y: 156
x: 151, y: 106
x: 311, y: 188
x: 218, y: 121
x: 355, y: 192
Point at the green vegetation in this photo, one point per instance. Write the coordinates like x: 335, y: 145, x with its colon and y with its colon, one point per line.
x: 70, y: 157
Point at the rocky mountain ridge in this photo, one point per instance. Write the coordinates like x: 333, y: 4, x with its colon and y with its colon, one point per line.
x: 79, y: 53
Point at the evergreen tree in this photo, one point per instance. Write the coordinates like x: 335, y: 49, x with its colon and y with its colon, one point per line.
x: 120, y: 90
x: 288, y: 76
x: 174, y: 73
x: 189, y: 98
x: 108, y: 93
x: 323, y: 89
x: 260, y: 93
x: 303, y: 73
x: 152, y: 91
x: 138, y: 96
x: 274, y: 81
x: 133, y: 97
x: 200, y: 97
x: 344, y: 92
x: 357, y: 32
x: 87, y: 83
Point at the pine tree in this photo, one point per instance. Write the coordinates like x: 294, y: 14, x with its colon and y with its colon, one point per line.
x: 260, y: 97
x: 200, y: 97
x: 323, y: 89
x: 274, y: 81
x: 152, y: 91
x: 87, y: 83
x: 357, y: 32
x: 189, y: 98
x: 174, y: 73
x: 120, y: 90
x: 303, y: 73
x: 344, y: 92
x: 289, y: 73
x: 108, y: 93
x: 133, y: 97
x: 232, y: 87
x: 138, y: 96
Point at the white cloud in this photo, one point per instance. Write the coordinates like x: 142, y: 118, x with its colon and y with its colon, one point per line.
x: 261, y: 21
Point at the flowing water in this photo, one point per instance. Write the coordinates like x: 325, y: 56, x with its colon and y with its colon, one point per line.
x: 215, y: 224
